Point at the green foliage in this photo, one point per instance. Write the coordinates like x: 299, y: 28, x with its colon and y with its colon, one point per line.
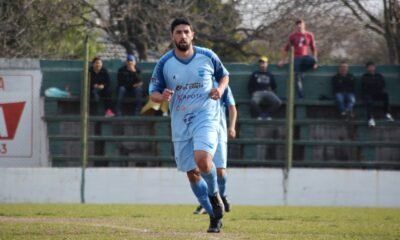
x: 43, y: 29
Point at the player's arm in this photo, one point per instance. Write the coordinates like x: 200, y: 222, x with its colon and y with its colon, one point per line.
x: 232, y: 121
x: 314, y: 50
x: 158, y: 97
x: 284, y: 53
x: 313, y: 47
x: 158, y: 90
x: 221, y: 76
x: 216, y: 93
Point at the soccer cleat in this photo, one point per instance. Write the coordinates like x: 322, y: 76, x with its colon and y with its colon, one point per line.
x: 371, y: 122
x: 218, y: 206
x: 227, y: 205
x: 199, y: 210
x: 389, y: 117
x: 215, y: 225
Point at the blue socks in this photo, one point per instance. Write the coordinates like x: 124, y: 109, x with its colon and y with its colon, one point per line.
x: 221, y: 185
x: 211, y: 180
x: 200, y: 190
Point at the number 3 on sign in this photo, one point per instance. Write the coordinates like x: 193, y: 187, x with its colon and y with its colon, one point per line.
x: 3, y: 148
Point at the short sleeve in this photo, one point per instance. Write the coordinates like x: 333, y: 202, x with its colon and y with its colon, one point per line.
x: 219, y: 69
x: 157, y: 81
x: 228, y: 98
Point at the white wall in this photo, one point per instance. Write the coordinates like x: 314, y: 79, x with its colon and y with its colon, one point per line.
x: 22, y: 79
x: 246, y: 186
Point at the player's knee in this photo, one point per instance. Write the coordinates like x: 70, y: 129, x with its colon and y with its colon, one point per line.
x: 203, y: 161
x: 204, y: 166
x: 193, y: 175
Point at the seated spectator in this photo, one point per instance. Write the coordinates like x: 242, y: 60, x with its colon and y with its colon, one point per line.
x: 373, y: 89
x: 301, y: 40
x: 129, y: 83
x: 261, y: 88
x: 100, y: 85
x: 343, y: 86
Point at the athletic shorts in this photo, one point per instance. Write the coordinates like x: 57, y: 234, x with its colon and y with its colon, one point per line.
x: 205, y: 139
x: 221, y: 155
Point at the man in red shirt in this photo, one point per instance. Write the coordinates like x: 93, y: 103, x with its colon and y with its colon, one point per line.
x: 301, y: 40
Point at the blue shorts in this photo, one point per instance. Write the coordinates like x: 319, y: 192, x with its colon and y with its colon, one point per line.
x: 206, y: 140
x: 221, y: 155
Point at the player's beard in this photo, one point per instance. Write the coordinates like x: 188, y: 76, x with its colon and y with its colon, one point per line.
x: 183, y: 46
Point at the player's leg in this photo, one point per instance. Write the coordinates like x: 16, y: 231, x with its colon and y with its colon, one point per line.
x: 209, y: 174
x: 220, y: 161
x: 205, y: 142
x: 207, y: 169
x: 200, y: 190
x: 185, y: 162
x: 222, y: 177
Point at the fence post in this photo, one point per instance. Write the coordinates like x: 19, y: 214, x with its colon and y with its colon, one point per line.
x: 289, y: 125
x: 84, y: 116
x: 289, y: 114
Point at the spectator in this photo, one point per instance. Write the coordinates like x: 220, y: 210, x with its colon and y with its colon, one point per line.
x: 373, y: 89
x: 343, y: 86
x: 261, y: 88
x: 100, y: 85
x: 301, y: 40
x: 129, y: 83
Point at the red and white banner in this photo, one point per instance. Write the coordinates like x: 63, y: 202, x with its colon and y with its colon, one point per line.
x: 21, y: 128
x: 16, y: 105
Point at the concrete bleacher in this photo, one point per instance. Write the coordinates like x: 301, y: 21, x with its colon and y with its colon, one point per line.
x: 321, y: 138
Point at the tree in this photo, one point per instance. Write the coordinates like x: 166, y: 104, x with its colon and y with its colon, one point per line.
x: 385, y: 23
x: 143, y: 24
x: 41, y: 28
x: 338, y: 33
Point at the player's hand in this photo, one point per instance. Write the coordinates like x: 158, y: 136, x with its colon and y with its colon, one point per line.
x: 100, y: 86
x: 315, y: 66
x: 281, y: 63
x: 216, y: 93
x: 232, y: 133
x: 167, y: 94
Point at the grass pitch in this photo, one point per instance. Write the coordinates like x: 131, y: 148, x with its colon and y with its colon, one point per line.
x: 42, y: 221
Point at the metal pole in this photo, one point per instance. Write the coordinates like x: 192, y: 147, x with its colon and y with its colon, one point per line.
x: 84, y: 116
x: 289, y: 113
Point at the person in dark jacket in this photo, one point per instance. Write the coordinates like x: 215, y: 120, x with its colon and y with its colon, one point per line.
x: 261, y: 87
x: 129, y: 83
x: 343, y: 86
x: 100, y: 85
x: 373, y: 89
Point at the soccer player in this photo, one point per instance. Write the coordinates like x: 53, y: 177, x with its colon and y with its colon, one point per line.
x: 184, y: 77
x: 221, y: 155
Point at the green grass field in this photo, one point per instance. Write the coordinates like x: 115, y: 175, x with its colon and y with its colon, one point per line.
x: 37, y: 221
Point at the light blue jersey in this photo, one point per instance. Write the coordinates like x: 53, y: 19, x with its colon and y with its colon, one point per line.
x: 191, y: 80
x: 227, y: 100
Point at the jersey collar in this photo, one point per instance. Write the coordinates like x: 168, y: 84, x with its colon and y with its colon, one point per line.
x: 185, y: 61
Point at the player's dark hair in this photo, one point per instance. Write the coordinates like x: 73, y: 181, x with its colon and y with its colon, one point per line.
x: 95, y: 59
x: 179, y: 21
x: 370, y: 63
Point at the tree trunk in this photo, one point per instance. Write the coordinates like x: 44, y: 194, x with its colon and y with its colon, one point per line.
x: 128, y: 47
x: 392, y: 49
x: 141, y: 48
